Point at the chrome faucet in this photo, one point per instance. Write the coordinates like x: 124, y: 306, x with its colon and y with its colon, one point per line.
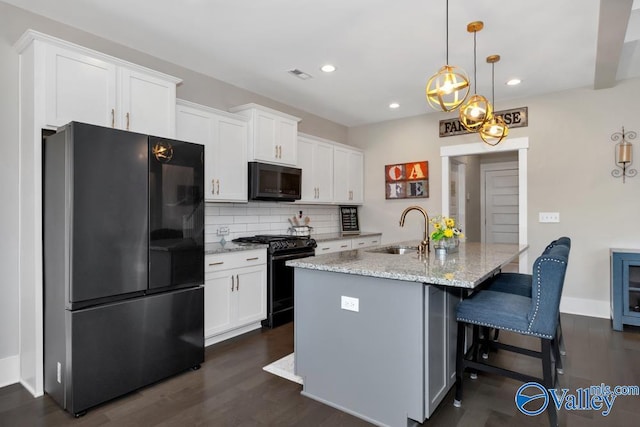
x: 424, y: 245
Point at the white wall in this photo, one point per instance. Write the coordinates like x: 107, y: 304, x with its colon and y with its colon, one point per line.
x: 570, y: 162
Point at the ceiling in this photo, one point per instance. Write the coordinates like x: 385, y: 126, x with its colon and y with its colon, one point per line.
x: 384, y: 51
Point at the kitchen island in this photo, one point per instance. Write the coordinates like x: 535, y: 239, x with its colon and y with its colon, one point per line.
x: 375, y: 332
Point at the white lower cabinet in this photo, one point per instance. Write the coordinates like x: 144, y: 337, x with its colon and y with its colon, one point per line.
x: 235, y: 294
x: 330, y: 246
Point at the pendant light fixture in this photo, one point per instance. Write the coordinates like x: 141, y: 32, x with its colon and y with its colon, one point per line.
x: 477, y: 110
x: 495, y: 129
x: 449, y: 87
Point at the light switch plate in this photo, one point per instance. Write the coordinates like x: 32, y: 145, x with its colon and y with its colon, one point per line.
x: 549, y: 217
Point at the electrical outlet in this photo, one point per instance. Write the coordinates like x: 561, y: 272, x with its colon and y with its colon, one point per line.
x: 549, y: 217
x: 223, y: 231
x: 350, y: 303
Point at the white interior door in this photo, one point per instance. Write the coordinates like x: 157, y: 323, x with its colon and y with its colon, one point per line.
x: 501, y: 206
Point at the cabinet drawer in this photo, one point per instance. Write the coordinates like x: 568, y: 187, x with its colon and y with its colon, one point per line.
x: 365, y: 242
x: 333, y: 246
x: 226, y: 261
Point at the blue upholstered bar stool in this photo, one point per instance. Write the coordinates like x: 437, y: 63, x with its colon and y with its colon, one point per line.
x: 535, y: 316
x: 520, y: 284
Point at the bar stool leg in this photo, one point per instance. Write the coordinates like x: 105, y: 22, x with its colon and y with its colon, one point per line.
x: 548, y: 379
x: 457, y: 402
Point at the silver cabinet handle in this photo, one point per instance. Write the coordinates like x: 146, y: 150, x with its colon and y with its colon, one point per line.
x: 360, y: 243
x: 276, y: 151
x: 216, y: 263
x: 113, y: 117
x: 252, y: 259
x: 344, y: 246
x: 213, y: 186
x: 127, y: 121
x: 237, y: 282
x: 325, y: 249
x: 218, y: 185
x: 232, y: 283
x: 279, y: 151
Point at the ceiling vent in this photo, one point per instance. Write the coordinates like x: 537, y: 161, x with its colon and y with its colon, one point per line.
x: 300, y: 74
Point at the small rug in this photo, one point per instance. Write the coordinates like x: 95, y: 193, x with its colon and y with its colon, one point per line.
x: 284, y: 368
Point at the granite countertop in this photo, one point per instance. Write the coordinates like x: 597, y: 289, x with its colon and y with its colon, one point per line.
x: 218, y: 248
x: 325, y: 237
x: 470, y: 266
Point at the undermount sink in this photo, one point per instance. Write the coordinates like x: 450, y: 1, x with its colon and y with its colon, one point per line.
x: 395, y: 250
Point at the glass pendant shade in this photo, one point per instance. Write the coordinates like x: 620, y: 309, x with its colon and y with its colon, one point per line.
x: 494, y: 131
x: 475, y: 112
x: 448, y: 88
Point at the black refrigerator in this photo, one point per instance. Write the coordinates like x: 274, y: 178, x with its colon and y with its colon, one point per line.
x: 123, y: 262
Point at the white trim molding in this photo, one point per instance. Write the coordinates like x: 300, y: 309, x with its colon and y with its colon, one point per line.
x: 521, y: 145
x: 9, y: 370
x: 585, y: 307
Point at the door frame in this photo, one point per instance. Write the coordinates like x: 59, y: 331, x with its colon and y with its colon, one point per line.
x: 521, y: 145
x: 461, y: 192
x: 484, y: 168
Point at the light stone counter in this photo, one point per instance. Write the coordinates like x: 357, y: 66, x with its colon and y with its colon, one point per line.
x: 470, y: 266
x: 217, y: 248
x: 325, y: 237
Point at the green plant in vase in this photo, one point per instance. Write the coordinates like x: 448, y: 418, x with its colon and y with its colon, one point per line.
x: 445, y: 234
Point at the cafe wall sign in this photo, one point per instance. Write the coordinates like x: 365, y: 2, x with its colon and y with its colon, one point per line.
x: 514, y: 118
x: 407, y: 180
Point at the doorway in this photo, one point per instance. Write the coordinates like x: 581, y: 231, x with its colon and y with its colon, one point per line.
x: 519, y: 145
x: 499, y: 194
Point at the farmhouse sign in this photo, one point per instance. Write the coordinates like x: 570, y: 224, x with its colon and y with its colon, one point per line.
x: 514, y: 118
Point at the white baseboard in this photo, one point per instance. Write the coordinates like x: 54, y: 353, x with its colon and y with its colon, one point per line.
x: 9, y: 370
x: 230, y: 334
x: 585, y: 307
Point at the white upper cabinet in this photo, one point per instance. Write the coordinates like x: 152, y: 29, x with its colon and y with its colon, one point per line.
x: 273, y: 135
x: 315, y: 158
x: 348, y: 167
x: 147, y: 103
x: 87, y: 86
x: 224, y: 136
x: 79, y: 87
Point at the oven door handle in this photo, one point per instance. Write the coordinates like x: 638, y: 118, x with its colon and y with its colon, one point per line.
x: 287, y: 257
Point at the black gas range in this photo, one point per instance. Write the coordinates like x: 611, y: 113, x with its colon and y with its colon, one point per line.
x: 282, y: 248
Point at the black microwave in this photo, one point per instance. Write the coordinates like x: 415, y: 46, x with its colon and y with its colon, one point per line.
x: 274, y: 182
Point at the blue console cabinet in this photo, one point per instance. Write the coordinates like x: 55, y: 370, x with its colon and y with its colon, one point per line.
x: 625, y: 287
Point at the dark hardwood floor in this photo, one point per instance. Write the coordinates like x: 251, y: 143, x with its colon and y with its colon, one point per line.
x: 231, y: 389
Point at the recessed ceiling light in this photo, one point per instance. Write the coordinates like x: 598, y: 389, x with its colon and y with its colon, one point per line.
x: 394, y: 105
x: 514, y: 82
x: 328, y: 68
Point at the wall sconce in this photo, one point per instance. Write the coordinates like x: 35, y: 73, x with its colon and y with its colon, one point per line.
x: 623, y: 154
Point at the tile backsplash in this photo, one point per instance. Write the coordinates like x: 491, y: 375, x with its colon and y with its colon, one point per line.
x: 248, y: 219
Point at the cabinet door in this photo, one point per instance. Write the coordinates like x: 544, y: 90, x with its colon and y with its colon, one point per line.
x: 287, y: 141
x: 436, y: 373
x: 147, y: 104
x: 251, y: 294
x: 341, y: 174
x: 356, y: 169
x: 306, y: 160
x: 194, y: 125
x: 264, y: 143
x: 323, y: 172
x: 218, y: 303
x: 80, y: 88
x: 231, y: 159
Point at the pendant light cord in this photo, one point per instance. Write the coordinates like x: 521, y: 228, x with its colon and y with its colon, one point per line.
x: 447, y: 36
x: 475, y: 77
x: 493, y: 84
